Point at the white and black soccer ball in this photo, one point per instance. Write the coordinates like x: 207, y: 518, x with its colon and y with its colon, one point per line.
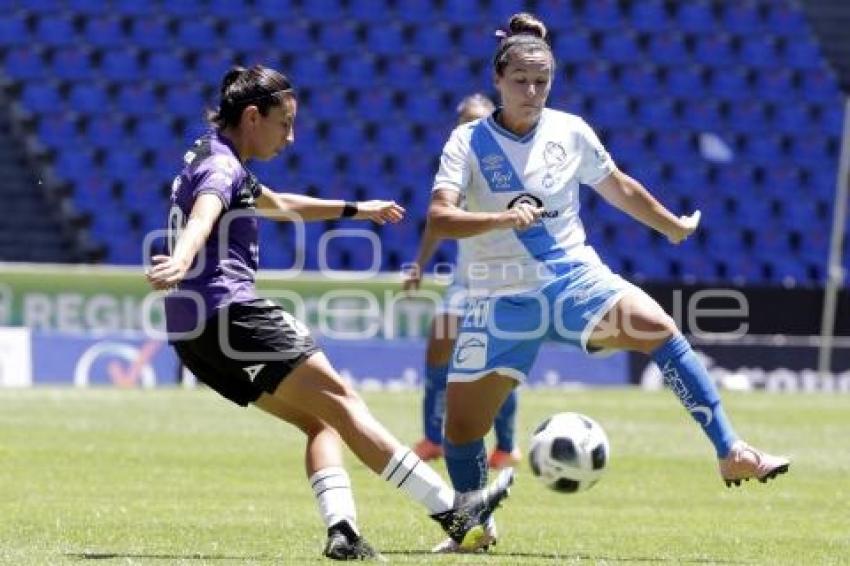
x: 569, y: 452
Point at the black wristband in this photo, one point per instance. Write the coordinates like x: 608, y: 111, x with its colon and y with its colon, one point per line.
x: 350, y: 209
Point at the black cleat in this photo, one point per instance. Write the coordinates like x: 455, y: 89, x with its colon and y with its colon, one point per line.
x: 465, y: 523
x: 344, y: 544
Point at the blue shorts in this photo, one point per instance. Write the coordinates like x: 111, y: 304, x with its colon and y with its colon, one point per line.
x: 504, y: 333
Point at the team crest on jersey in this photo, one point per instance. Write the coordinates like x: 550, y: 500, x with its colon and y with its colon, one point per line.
x: 555, y: 158
x: 492, y: 162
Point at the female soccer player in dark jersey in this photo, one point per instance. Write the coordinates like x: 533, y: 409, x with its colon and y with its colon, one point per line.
x: 253, y: 352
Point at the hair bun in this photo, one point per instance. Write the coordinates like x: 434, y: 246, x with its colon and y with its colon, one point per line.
x: 526, y: 24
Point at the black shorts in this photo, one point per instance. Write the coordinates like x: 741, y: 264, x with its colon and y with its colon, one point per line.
x: 246, y: 349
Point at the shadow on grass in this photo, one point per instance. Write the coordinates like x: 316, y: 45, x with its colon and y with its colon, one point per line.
x: 568, y: 556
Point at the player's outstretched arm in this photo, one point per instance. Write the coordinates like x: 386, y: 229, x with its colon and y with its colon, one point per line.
x: 167, y: 271
x: 631, y: 197
x: 448, y: 220
x: 289, y: 207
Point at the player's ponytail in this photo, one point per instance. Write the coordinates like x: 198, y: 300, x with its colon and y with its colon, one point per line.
x: 240, y: 87
x: 525, y: 33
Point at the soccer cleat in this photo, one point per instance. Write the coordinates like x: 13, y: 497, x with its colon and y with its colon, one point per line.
x: 465, y: 522
x: 449, y: 546
x: 345, y: 544
x: 500, y: 459
x: 427, y: 450
x: 745, y: 462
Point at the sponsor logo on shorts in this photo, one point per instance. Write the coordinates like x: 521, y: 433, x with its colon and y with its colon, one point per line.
x: 471, y: 351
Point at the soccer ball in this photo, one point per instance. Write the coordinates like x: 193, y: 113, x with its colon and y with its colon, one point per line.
x: 569, y: 452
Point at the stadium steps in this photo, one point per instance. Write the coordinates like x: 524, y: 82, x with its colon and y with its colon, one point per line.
x: 31, y: 227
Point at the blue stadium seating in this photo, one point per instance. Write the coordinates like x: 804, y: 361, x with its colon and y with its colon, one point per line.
x: 116, y: 94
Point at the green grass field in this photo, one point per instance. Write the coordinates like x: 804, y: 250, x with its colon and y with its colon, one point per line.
x: 162, y: 477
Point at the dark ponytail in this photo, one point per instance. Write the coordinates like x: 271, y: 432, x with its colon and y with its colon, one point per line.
x: 240, y: 87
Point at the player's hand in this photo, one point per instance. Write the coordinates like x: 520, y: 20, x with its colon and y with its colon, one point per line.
x: 380, y: 211
x: 165, y: 272
x: 520, y: 217
x: 412, y: 277
x: 685, y: 226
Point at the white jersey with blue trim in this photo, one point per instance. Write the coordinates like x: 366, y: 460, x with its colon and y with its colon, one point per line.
x: 494, y: 170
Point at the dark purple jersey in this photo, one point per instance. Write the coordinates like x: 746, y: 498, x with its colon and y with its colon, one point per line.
x: 224, y: 269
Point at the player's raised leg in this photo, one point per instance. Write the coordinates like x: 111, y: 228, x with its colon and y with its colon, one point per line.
x: 316, y: 387
x: 638, y: 323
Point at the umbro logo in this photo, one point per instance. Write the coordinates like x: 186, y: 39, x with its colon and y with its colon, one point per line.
x: 252, y: 371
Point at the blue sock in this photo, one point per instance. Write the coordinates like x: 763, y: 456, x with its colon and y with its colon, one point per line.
x: 687, y: 377
x: 467, y: 464
x: 505, y: 423
x: 434, y: 402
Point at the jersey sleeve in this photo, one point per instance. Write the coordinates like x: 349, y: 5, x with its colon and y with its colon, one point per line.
x: 455, y: 168
x: 219, y: 175
x: 596, y: 163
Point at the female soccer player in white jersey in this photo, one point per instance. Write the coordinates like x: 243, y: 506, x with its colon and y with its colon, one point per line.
x: 443, y: 332
x: 252, y: 352
x: 519, y: 173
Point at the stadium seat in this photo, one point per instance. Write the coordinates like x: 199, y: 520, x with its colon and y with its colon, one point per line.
x: 385, y: 39
x: 728, y: 82
x: 604, y: 15
x: 151, y: 32
x: 166, y: 66
x: 593, y: 77
x: 186, y: 9
x: 742, y: 18
x: 573, y: 47
x: 668, y: 48
x: 454, y: 71
x: 702, y: 114
x: 87, y: 7
x: 696, y: 16
x: 685, y: 81
x: 819, y: 84
x: 73, y: 64
x: 640, y: 80
x: 786, y: 18
x: 137, y: 98
x: 612, y: 113
x: 121, y: 65
x: 338, y: 37
x: 376, y: 105
x: 55, y: 31
x: 649, y: 16
x: 58, y: 130
x: 323, y: 10
x: 14, y: 30
x: 746, y: 115
x: 773, y: 84
x: 802, y: 53
x: 153, y: 132
x: 759, y: 51
x: 104, y: 129
x: 311, y: 71
x: 246, y: 34
x: 422, y: 13
x: 196, y: 33
x: 461, y: 12
x: 714, y: 50
x: 359, y: 69
x: 185, y: 99
x: 619, y: 47
x: 225, y: 10
x: 105, y: 32
x: 41, y: 97
x: 432, y: 41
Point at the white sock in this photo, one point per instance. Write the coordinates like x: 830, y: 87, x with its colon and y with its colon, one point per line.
x: 332, y: 488
x: 407, y: 472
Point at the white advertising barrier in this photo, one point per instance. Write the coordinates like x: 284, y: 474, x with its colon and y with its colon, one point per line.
x: 15, y: 357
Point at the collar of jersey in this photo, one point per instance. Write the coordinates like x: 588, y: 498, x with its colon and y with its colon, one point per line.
x: 509, y: 134
x: 224, y: 140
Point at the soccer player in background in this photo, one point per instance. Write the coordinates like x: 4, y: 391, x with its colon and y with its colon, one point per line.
x: 444, y: 331
x: 250, y: 350
x: 519, y: 173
